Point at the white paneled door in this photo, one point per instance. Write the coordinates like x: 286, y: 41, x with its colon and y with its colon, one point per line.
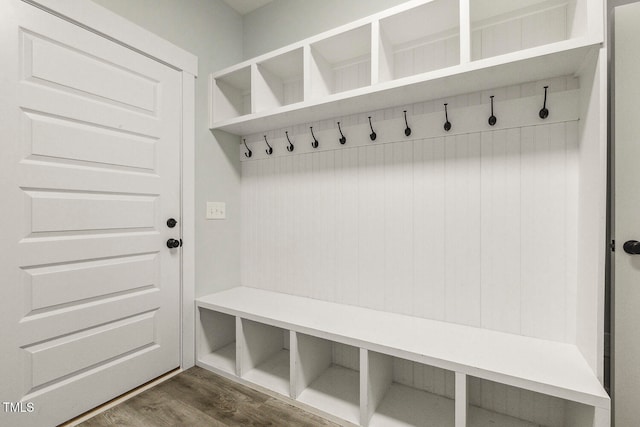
x: 626, y: 290
x: 90, y: 150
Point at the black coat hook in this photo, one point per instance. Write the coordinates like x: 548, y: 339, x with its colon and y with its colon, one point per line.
x: 248, y: 153
x: 290, y: 147
x: 372, y: 135
x: 269, y: 151
x: 492, y: 120
x: 342, y: 139
x: 314, y: 143
x: 407, y: 130
x: 447, y: 123
x: 544, y: 113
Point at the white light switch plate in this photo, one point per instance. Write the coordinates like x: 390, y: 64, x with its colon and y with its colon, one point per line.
x: 216, y: 210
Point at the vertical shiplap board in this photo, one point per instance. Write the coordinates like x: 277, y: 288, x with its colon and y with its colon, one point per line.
x: 519, y: 403
x: 398, y: 226
x: 428, y: 295
x: 427, y: 57
x: 268, y: 254
x: 281, y: 226
x: 292, y: 91
x: 403, y: 63
x: 352, y: 76
x: 325, y: 262
x: 306, y: 226
x: 287, y: 219
x: 371, y: 252
x: 543, y: 231
x: 346, y: 356
x: 403, y: 372
x: 462, y: 229
x: 247, y: 201
x: 501, y: 38
x: 346, y: 226
x: 545, y: 27
x: 571, y: 231
x: 434, y: 380
x: 500, y: 232
x: 297, y: 255
x: 316, y: 218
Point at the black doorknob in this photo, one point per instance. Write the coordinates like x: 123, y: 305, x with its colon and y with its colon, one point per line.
x: 632, y: 247
x: 171, y: 222
x: 173, y: 243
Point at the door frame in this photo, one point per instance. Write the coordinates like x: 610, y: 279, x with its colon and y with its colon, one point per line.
x: 105, y: 23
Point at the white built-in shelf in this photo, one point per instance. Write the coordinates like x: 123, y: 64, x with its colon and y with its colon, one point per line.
x: 352, y: 362
x: 416, y: 51
x: 548, y: 367
x: 335, y: 391
x: 480, y: 417
x: 223, y: 359
x: 264, y: 356
x: 216, y: 344
x: 407, y: 406
x: 272, y: 373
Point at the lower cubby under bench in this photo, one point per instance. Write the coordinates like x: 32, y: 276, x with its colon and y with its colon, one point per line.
x: 375, y: 368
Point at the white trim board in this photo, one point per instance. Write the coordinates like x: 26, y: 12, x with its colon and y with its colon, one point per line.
x: 547, y: 367
x: 100, y: 20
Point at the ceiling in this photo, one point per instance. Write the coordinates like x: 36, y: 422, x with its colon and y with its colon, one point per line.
x: 246, y: 6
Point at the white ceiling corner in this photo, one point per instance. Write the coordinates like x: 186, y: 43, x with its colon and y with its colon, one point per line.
x: 245, y: 6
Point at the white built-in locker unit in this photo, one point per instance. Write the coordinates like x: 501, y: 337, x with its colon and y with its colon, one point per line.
x: 423, y: 217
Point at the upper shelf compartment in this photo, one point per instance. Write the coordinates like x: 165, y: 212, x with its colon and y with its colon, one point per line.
x: 340, y: 63
x: 418, y: 40
x: 279, y: 81
x: 231, y: 94
x: 503, y: 26
x: 413, y: 52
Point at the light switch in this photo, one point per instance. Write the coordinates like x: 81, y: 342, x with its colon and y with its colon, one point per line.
x: 216, y: 210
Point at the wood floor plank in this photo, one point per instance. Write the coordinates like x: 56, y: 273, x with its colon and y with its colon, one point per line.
x: 221, y: 399
x: 290, y: 416
x: 198, y: 397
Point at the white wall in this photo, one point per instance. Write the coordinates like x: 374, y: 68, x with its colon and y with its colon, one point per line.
x: 282, y: 22
x: 211, y: 30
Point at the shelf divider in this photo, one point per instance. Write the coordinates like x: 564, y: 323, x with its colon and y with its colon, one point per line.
x: 461, y: 399
x: 376, y: 376
x: 240, y: 346
x: 465, y: 31
x: 313, y: 357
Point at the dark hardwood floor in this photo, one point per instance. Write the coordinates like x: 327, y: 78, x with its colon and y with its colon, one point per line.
x: 198, y: 397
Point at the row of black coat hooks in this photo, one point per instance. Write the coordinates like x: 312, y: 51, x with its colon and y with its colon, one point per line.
x: 543, y: 114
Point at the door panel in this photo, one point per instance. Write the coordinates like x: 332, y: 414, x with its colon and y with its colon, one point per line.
x: 626, y: 289
x: 90, y: 174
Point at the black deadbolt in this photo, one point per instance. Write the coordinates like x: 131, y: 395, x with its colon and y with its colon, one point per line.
x: 632, y: 247
x: 171, y: 222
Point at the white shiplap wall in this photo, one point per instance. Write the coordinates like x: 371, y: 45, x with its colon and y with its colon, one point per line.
x: 472, y: 228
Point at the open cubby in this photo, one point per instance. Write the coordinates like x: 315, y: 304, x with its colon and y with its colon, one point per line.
x: 407, y: 46
x: 327, y: 376
x: 406, y: 393
x: 500, y: 405
x: 279, y: 81
x: 340, y: 63
x: 264, y: 357
x: 217, y: 341
x: 505, y: 26
x: 231, y: 94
